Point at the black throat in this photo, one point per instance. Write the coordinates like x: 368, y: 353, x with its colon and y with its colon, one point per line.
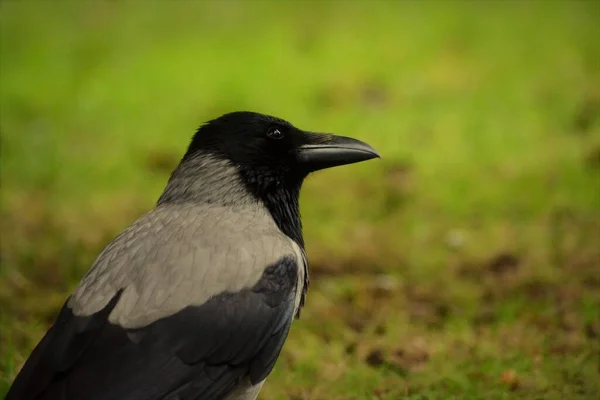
x: 281, y: 196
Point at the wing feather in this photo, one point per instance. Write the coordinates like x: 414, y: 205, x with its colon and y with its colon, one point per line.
x: 202, y: 351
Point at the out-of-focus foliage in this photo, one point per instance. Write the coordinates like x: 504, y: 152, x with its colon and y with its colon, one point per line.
x: 465, y: 263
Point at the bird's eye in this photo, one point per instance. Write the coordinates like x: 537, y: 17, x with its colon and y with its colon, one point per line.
x: 275, y: 134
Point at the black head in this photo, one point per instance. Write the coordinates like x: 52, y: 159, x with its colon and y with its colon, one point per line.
x: 272, y: 158
x: 270, y: 152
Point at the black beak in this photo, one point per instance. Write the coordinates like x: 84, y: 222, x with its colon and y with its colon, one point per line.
x: 325, y: 151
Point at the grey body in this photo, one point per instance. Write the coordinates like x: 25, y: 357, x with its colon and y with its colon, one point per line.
x: 179, y: 255
x: 245, y: 390
x: 182, y: 255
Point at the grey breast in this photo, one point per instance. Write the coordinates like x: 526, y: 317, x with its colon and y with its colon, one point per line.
x: 245, y: 391
x: 182, y: 255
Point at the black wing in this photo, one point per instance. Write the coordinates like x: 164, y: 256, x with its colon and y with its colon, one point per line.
x: 201, y: 352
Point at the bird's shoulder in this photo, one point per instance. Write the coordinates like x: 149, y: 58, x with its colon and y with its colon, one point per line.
x: 182, y: 255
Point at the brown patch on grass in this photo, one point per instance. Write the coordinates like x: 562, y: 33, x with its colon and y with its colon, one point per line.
x: 161, y: 161
x: 380, y: 330
x: 399, y: 185
x: 510, y: 379
x: 399, y: 176
x: 350, y: 348
x: 571, y: 342
x: 537, y: 289
x: 427, y: 306
x: 586, y: 114
x: 485, y: 315
x: 504, y: 263
x: 592, y: 329
x: 592, y: 158
x: 375, y: 358
x: 332, y: 96
x: 411, y: 358
x: 379, y: 392
x: 374, y: 94
x: 357, y: 323
x: 383, y: 286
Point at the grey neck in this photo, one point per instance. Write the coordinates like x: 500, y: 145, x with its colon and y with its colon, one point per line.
x: 206, y: 179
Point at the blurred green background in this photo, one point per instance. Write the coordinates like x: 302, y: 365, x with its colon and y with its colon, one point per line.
x: 465, y: 264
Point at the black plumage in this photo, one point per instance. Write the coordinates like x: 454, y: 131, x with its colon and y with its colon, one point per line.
x: 186, y: 360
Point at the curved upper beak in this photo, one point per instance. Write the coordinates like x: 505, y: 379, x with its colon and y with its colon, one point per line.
x: 325, y: 151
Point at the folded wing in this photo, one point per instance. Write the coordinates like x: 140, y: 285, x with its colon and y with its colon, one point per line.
x: 199, y: 352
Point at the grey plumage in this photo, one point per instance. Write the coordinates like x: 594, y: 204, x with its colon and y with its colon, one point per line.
x: 155, y: 261
x: 195, y: 299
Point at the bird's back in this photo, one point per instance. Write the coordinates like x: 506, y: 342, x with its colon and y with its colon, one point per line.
x: 179, y: 268
x: 180, y: 255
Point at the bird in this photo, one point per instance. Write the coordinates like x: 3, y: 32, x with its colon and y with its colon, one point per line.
x: 195, y: 299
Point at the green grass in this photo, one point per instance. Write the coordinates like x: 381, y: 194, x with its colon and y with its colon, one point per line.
x: 465, y: 264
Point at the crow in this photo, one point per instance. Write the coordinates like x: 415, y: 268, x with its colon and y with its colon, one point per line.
x: 195, y: 299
